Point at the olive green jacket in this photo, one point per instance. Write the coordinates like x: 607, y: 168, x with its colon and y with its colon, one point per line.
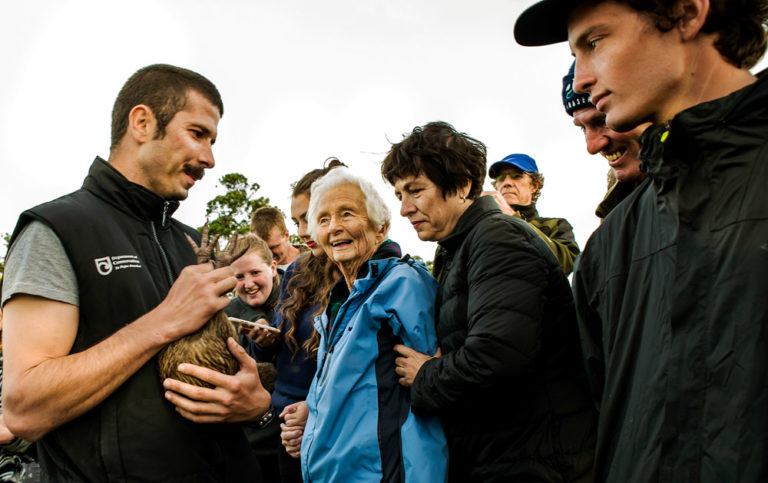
x: 557, y: 232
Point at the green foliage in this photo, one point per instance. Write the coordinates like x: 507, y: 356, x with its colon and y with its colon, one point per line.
x: 295, y: 240
x: 7, y: 240
x: 233, y: 209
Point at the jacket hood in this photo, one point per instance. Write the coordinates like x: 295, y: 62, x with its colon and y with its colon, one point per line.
x: 110, y: 185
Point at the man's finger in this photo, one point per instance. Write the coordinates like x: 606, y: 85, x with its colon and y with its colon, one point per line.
x: 216, y: 379
x: 242, y: 357
x: 190, y: 391
x: 191, y: 407
x: 197, y: 418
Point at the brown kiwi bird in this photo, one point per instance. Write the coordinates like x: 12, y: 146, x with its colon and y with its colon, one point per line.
x: 207, y: 346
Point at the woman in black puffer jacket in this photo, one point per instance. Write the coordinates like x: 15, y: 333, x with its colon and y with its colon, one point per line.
x: 510, y: 386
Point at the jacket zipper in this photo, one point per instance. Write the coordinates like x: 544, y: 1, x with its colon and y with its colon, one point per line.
x: 324, y: 370
x: 329, y: 355
x: 163, y: 255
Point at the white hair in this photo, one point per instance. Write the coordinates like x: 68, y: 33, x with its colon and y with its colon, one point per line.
x: 376, y: 209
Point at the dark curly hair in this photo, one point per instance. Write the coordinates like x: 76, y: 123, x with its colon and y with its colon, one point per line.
x: 313, y: 278
x: 447, y: 157
x: 740, y: 25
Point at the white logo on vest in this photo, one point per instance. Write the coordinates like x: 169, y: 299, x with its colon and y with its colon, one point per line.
x: 106, y: 265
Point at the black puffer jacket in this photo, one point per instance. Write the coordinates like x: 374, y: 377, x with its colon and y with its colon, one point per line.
x: 510, y: 387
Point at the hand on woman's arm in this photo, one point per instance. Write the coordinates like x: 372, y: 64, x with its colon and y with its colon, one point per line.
x: 292, y: 430
x: 409, y: 363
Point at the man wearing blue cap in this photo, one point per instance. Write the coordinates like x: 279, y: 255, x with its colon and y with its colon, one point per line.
x: 670, y: 290
x: 621, y: 150
x: 517, y: 179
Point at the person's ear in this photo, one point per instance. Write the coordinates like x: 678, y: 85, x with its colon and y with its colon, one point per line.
x: 464, y: 192
x: 141, y: 124
x: 694, y: 16
x: 273, y: 266
x: 381, y: 233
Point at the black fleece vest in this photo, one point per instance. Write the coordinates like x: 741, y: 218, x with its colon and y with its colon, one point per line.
x: 126, y: 251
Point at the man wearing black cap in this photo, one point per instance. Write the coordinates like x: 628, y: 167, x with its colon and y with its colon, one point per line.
x: 671, y: 288
x: 518, y: 180
x: 621, y: 150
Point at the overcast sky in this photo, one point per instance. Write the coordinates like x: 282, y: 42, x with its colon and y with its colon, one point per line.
x: 301, y: 81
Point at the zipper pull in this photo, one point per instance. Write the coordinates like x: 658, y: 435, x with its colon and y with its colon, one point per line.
x: 165, y: 213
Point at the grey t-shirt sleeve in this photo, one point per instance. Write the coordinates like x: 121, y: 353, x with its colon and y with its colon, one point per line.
x: 37, y: 264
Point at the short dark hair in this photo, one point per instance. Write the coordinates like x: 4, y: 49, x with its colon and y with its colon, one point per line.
x: 447, y: 157
x: 740, y: 25
x: 265, y: 219
x: 163, y: 88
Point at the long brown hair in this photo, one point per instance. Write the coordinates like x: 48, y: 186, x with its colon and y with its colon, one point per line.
x: 312, y: 280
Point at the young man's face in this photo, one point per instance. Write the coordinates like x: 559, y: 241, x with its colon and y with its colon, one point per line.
x: 170, y: 166
x: 621, y: 150
x: 632, y: 71
x: 280, y: 244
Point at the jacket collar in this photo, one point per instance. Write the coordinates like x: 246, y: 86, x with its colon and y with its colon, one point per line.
x: 615, y: 195
x: 667, y: 146
x: 387, y: 251
x: 478, y: 210
x: 526, y: 212
x: 110, y: 185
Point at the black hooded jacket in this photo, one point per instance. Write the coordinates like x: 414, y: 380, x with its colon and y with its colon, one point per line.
x: 510, y: 386
x: 671, y: 296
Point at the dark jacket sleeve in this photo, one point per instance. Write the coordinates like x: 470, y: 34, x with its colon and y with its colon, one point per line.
x: 590, y: 326
x: 506, y: 273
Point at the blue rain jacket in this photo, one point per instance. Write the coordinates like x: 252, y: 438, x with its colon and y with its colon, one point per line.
x: 360, y: 426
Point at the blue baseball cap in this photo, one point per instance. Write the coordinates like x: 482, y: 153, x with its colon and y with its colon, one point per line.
x: 520, y: 161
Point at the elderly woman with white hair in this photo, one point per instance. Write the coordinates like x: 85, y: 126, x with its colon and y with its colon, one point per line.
x: 360, y: 425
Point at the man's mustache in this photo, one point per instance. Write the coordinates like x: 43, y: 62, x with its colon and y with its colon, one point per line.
x: 196, y: 172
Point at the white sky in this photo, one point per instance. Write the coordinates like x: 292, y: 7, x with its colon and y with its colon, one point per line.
x: 301, y: 80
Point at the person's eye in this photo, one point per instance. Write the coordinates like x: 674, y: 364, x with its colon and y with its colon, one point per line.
x: 347, y: 214
x: 239, y: 276
x: 593, y: 43
x: 322, y: 220
x: 197, y: 133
